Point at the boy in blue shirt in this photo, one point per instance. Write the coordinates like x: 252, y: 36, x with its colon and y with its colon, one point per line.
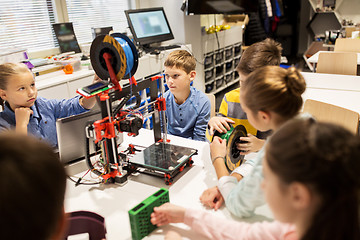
x: 187, y: 109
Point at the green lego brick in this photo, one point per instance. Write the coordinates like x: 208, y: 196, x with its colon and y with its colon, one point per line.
x: 140, y: 215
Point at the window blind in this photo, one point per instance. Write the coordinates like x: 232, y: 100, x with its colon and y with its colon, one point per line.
x: 26, y: 24
x: 85, y: 14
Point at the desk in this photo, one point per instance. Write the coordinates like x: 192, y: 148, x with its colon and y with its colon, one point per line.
x: 339, y: 90
x: 315, y: 58
x: 113, y: 201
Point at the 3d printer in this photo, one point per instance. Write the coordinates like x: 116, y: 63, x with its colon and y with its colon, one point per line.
x: 115, y: 57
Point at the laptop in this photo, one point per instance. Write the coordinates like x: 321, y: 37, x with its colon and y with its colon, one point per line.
x: 71, y: 136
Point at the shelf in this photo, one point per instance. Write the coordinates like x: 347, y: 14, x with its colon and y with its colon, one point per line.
x: 220, y: 65
x: 323, y: 21
x: 225, y: 86
x: 344, y: 10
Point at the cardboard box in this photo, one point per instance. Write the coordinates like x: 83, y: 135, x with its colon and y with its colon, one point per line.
x: 236, y: 20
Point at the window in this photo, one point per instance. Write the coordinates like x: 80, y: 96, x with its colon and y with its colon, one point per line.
x: 26, y: 24
x: 85, y: 14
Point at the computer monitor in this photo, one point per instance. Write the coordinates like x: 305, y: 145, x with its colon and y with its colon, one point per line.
x: 66, y: 38
x: 149, y: 25
x: 100, y: 31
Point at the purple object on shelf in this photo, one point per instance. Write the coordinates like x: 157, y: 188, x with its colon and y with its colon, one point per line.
x: 29, y: 64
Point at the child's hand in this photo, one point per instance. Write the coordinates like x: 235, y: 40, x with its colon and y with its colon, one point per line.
x: 89, y: 103
x: 22, y: 117
x: 218, y: 147
x: 220, y: 124
x: 212, y: 198
x: 253, y: 144
x: 167, y: 213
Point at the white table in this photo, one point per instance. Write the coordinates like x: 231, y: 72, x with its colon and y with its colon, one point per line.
x: 339, y: 90
x: 113, y: 201
x: 315, y: 58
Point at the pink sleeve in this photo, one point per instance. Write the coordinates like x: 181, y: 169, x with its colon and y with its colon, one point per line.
x: 215, y: 227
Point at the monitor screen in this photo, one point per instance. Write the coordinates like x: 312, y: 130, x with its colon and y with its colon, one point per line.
x: 221, y: 7
x: 149, y: 25
x: 66, y: 37
x: 100, y: 31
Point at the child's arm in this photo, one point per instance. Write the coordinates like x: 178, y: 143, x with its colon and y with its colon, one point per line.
x: 87, y: 103
x: 243, y: 197
x: 22, y: 117
x: 212, y: 196
x: 218, y: 153
x: 202, y: 122
x: 167, y: 213
x: 213, y: 227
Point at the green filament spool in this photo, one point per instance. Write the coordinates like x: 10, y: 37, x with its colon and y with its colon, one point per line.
x: 233, y: 158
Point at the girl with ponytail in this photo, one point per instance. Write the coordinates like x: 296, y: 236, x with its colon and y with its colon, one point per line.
x: 270, y: 96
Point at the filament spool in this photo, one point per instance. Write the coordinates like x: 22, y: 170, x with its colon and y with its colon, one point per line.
x: 124, y: 57
x: 233, y: 158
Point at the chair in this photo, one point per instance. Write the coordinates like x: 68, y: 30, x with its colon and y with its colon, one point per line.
x: 330, y: 113
x: 337, y: 63
x: 213, y: 103
x: 86, y: 222
x: 347, y: 45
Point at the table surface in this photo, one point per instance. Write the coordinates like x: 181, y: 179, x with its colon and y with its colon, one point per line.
x: 339, y: 90
x: 113, y: 201
x: 315, y: 58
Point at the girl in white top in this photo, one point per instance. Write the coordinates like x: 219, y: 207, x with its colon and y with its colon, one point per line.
x: 270, y: 96
x: 310, y: 183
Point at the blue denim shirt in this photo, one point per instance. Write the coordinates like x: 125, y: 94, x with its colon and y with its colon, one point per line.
x: 42, y: 123
x: 190, y: 119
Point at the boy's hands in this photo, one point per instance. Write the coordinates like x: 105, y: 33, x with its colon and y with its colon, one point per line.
x: 220, y: 124
x: 167, y: 213
x: 212, y: 198
x: 22, y: 117
x: 253, y: 144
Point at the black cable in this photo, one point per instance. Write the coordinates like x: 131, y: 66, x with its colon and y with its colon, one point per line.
x: 121, y: 104
x: 82, y: 183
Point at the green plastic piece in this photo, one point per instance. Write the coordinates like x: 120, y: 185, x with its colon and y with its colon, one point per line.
x: 226, y: 135
x: 140, y: 215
